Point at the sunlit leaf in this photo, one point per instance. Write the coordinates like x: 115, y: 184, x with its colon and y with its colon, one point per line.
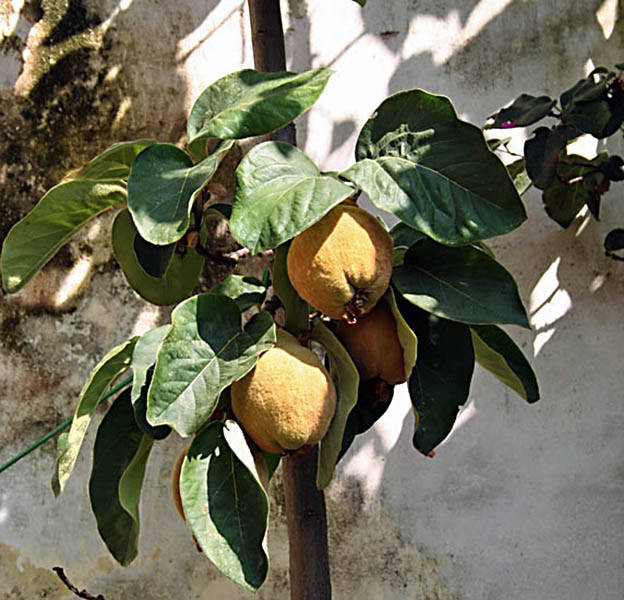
x: 280, y: 193
x: 417, y: 160
x: 204, y: 351
x: 162, y: 187
x: 104, y: 374
x: 62, y: 211
x: 114, y: 162
x: 249, y: 103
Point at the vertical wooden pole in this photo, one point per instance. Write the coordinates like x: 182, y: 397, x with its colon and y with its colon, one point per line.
x: 305, y: 504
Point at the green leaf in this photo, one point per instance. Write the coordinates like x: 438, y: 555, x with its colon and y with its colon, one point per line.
x: 403, y: 236
x: 119, y: 459
x: 280, y: 192
x: 346, y: 380
x: 519, y: 176
x: 114, y: 162
x: 244, y: 290
x: 297, y: 309
x: 162, y: 187
x: 614, y: 240
x: 225, y: 504
x: 249, y: 103
x: 179, y: 278
x: 574, y: 187
x: 462, y: 284
x: 497, y: 352
x: 541, y: 154
x: 417, y: 160
x: 62, y: 211
x: 204, y: 351
x: 104, y: 374
x: 588, y: 89
x: 374, y: 397
x: 153, y: 259
x: 361, y: 2
x: 143, y: 359
x: 440, y: 381
x: 525, y: 110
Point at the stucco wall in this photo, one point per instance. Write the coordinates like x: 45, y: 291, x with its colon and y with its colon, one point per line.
x: 521, y: 502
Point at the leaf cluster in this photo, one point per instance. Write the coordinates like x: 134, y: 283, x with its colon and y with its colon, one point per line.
x: 594, y: 105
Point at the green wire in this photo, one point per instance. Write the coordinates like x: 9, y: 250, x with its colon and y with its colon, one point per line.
x: 60, y: 428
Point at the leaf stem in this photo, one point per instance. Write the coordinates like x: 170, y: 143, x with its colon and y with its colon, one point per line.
x: 58, y: 429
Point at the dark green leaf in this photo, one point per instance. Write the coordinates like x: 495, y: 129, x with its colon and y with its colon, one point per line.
x: 361, y: 2
x: 62, y: 211
x: 588, y: 89
x: 613, y: 168
x: 497, y: 352
x: 225, y: 504
x: 162, y: 187
x: 280, y: 193
x: 297, y: 309
x: 417, y: 160
x: 249, y: 103
x: 440, y: 381
x: 599, y: 118
x: 114, y: 162
x: 614, y: 240
x: 179, y: 279
x: 346, y: 380
x: 244, y: 290
x: 525, y: 110
x: 204, y: 351
x: 518, y: 174
x: 575, y: 186
x: 404, y: 236
x: 542, y: 153
x: 462, y: 284
x: 119, y: 459
x: 374, y: 397
x: 153, y: 259
x: 104, y: 374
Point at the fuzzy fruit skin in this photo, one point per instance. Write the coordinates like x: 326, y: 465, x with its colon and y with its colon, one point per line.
x: 374, y: 345
x: 346, y: 251
x: 287, y: 400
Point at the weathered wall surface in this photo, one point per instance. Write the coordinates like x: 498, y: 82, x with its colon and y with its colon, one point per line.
x: 521, y: 502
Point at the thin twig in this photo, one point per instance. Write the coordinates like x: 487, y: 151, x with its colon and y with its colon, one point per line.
x: 72, y: 588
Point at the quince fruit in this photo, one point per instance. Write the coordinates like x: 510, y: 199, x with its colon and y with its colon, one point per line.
x: 343, y: 263
x: 287, y: 400
x: 374, y: 346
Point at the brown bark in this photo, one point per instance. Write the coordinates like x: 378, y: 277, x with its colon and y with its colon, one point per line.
x: 305, y: 504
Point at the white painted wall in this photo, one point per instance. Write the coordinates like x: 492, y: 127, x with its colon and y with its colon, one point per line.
x: 520, y: 502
